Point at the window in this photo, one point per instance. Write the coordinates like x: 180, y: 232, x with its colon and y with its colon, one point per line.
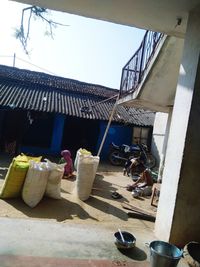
x: 141, y: 135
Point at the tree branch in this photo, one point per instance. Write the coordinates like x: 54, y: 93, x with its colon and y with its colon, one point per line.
x: 38, y: 12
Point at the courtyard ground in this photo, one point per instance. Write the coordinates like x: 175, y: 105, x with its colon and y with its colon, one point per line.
x: 70, y: 232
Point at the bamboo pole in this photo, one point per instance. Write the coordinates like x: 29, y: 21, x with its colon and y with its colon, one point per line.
x: 108, y: 126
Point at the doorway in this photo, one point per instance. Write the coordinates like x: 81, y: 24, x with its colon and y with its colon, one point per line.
x: 80, y: 133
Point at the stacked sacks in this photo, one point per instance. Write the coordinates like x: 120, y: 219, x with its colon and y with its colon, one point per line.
x: 29, y: 177
x: 43, y: 178
x: 54, y: 179
x: 15, y: 177
x: 35, y: 183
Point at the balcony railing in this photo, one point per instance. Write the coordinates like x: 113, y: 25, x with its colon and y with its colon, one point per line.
x: 134, y: 71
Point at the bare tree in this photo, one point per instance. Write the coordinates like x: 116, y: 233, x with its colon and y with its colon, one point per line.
x: 34, y: 12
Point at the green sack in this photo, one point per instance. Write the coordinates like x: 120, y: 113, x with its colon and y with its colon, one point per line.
x: 14, y: 179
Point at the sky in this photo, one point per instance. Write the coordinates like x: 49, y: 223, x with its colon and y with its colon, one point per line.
x: 87, y: 50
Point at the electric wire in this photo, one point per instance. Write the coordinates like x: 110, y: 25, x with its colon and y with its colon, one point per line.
x: 28, y: 62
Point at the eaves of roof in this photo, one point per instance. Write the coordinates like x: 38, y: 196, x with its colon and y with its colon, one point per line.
x: 52, y: 94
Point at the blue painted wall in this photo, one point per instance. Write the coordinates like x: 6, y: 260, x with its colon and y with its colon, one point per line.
x: 56, y: 141
x: 119, y: 134
x: 36, y: 151
x: 59, y: 122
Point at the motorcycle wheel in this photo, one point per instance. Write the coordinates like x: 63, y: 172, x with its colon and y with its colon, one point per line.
x: 113, y: 158
x: 150, y: 162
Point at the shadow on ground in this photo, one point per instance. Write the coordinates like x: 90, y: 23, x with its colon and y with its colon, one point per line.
x: 107, y: 208
x: 103, y: 188
x: 60, y: 210
x: 135, y: 253
x: 69, y: 207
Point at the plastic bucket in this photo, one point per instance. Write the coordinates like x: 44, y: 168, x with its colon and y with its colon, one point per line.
x: 164, y: 254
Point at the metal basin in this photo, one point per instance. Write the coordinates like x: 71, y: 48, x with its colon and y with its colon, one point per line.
x: 129, y: 239
x: 164, y: 254
x: 191, y: 253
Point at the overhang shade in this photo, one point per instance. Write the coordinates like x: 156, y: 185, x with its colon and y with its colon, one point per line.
x: 169, y: 17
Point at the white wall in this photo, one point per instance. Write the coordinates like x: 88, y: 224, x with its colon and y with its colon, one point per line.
x: 178, y: 213
x: 158, y: 136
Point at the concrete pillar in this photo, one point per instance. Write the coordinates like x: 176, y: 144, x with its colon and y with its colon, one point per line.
x: 178, y: 213
x: 164, y: 147
x: 158, y: 136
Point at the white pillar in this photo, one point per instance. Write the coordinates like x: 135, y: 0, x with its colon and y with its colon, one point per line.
x: 164, y: 148
x: 178, y: 213
x: 158, y: 136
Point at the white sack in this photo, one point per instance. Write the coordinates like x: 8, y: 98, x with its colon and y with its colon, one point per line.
x: 86, y: 171
x: 76, y: 160
x: 54, y: 179
x: 35, y: 183
x: 79, y: 152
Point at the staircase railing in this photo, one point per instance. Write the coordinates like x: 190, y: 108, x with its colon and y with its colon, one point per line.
x: 134, y: 71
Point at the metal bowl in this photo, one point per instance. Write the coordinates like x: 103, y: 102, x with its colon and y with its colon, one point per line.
x: 129, y: 239
x: 191, y: 253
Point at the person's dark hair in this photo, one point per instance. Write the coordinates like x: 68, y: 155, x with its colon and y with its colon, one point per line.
x: 141, y: 167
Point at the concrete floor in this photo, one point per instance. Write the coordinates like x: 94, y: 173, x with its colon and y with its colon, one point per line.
x: 42, y: 243
x: 42, y: 239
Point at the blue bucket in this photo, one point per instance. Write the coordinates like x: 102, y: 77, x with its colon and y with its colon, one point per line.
x: 164, y: 254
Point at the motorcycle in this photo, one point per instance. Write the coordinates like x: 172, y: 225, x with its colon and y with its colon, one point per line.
x: 119, y: 155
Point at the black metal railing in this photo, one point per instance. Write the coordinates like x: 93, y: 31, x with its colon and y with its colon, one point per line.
x: 133, y: 72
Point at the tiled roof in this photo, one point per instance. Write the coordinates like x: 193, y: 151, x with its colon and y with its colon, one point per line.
x: 30, y: 90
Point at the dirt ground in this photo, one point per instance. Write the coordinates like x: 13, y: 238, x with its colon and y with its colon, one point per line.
x: 99, y: 208
x: 101, y: 215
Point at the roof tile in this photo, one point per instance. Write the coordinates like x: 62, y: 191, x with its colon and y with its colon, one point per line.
x: 38, y: 91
